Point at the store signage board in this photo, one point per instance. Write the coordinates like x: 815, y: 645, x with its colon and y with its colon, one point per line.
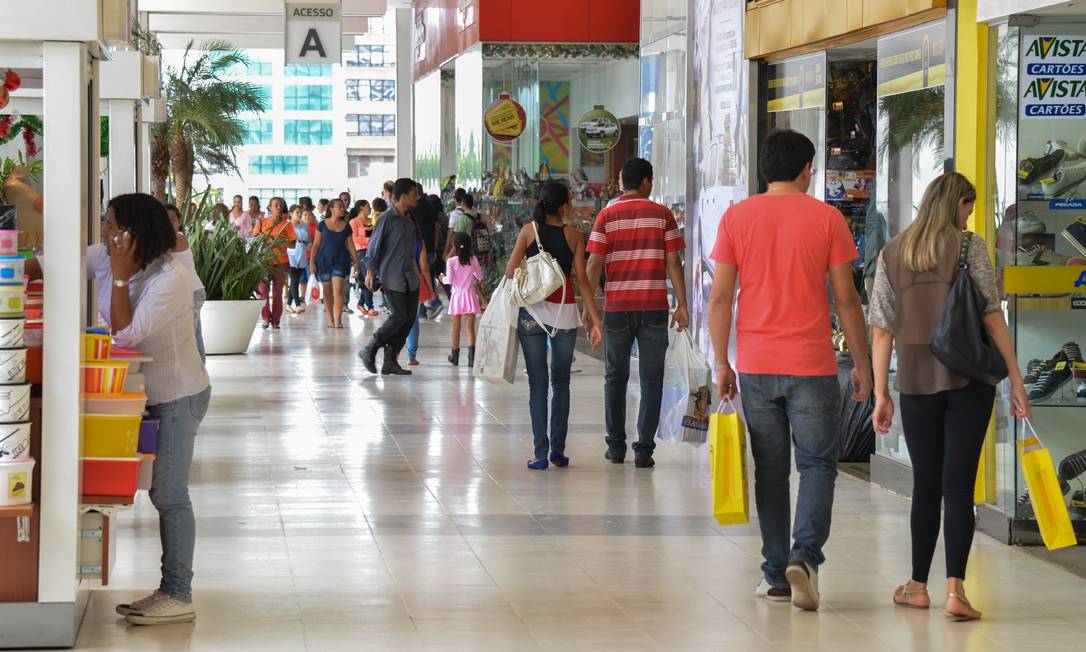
x: 1044, y: 279
x: 505, y: 119
x: 598, y: 130
x: 1052, y: 76
x: 797, y: 84
x: 314, y: 32
x: 912, y: 60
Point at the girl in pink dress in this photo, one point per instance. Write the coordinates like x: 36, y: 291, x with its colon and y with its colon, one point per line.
x: 463, y: 274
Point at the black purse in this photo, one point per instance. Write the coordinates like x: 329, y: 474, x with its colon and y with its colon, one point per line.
x: 960, y: 341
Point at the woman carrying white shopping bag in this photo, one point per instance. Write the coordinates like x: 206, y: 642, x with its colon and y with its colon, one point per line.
x: 543, y: 289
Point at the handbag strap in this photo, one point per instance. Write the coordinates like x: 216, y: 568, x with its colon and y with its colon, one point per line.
x: 963, y: 253
x: 538, y: 242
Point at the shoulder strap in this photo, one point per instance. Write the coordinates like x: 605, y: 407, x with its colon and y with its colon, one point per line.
x: 538, y: 242
x: 963, y: 255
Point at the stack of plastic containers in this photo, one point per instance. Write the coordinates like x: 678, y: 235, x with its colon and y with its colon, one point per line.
x: 111, y: 423
x: 16, y: 464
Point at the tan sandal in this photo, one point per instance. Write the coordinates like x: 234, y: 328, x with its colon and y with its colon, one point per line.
x: 902, y: 594
x: 961, y: 618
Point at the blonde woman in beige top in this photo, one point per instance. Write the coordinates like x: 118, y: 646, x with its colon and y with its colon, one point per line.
x: 944, y: 416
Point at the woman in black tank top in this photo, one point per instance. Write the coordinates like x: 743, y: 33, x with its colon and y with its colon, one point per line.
x: 567, y: 246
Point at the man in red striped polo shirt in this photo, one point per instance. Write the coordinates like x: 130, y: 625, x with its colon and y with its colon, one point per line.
x: 639, y: 243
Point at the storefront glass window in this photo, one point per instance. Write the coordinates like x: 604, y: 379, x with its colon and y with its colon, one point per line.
x: 797, y: 101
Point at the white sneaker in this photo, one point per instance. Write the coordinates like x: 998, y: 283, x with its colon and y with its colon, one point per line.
x: 803, y: 579
x: 125, y: 609
x: 769, y: 592
x: 163, y: 611
x: 1029, y: 224
x: 1070, y: 153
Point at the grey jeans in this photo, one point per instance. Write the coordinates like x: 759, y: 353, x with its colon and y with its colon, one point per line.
x: 782, y: 412
x: 178, y: 423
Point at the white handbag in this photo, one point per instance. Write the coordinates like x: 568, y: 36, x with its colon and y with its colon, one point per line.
x: 536, y: 279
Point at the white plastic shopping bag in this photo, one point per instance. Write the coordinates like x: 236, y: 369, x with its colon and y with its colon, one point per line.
x: 314, y: 291
x: 496, y: 345
x: 688, y: 393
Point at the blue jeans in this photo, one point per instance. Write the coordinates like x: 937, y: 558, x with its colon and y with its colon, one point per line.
x: 533, y: 341
x: 178, y: 422
x: 783, y: 411
x: 620, y: 331
x: 198, y: 299
x: 413, y: 340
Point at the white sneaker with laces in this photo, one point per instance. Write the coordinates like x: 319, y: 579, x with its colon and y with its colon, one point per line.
x: 136, y: 606
x: 163, y: 611
x: 803, y: 579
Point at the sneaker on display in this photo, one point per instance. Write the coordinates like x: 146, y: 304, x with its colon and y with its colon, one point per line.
x: 1080, y: 391
x: 1078, y: 504
x: 1070, y: 153
x: 1072, y: 466
x: 1029, y: 224
x: 1072, y: 352
x: 1031, y: 170
x: 1033, y: 369
x: 1024, y: 505
x: 1048, y: 383
x: 1063, y: 181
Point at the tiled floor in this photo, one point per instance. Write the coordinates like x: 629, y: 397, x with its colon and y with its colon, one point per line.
x: 338, y: 511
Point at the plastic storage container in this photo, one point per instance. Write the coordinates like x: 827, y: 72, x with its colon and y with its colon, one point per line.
x: 148, y: 436
x: 12, y: 366
x: 14, y: 441
x: 14, y: 403
x: 16, y: 482
x: 110, y: 435
x: 96, y: 346
x: 9, y: 242
x: 108, y: 476
x: 33, y: 365
x: 104, y: 377
x: 11, y: 270
x: 11, y: 300
x: 11, y: 332
x: 122, y: 404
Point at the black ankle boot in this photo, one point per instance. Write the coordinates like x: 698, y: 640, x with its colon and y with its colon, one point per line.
x: 471, y: 356
x: 454, y: 358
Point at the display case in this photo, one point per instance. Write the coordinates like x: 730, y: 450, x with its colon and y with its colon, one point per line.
x: 1039, y: 204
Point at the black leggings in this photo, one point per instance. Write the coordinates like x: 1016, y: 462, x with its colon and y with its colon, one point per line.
x: 945, y: 433
x: 295, y: 298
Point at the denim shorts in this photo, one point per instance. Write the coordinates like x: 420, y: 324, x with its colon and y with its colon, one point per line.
x: 326, y: 277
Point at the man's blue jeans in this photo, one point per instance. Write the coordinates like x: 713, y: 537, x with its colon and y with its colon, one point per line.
x: 178, y: 423
x: 533, y: 342
x: 413, y: 340
x: 620, y: 331
x: 782, y: 411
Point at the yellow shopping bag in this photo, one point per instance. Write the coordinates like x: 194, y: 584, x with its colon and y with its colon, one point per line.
x: 1044, y: 492
x: 728, y: 466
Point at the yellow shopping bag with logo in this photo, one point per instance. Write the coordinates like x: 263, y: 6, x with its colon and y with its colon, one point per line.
x: 728, y: 465
x: 1044, y: 491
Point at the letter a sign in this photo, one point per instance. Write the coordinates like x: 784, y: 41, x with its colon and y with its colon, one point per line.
x: 313, y: 32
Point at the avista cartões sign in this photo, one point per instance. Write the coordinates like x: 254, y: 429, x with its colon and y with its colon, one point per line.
x: 1043, y: 47
x: 1053, y: 76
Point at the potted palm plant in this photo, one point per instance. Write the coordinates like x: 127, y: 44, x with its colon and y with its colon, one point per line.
x: 231, y: 269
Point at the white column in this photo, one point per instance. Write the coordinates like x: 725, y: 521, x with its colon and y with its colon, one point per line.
x: 143, y: 183
x: 69, y: 202
x: 405, y: 65
x: 122, y: 147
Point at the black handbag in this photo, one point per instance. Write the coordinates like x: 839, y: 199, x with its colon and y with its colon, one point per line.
x: 960, y: 340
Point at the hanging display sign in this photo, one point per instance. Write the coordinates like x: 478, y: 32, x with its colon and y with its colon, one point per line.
x: 505, y: 119
x: 797, y: 84
x: 912, y: 60
x: 598, y: 130
x: 314, y: 32
x: 1052, y: 81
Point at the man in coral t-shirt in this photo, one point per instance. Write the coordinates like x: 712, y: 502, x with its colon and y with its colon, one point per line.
x: 782, y: 246
x: 640, y: 245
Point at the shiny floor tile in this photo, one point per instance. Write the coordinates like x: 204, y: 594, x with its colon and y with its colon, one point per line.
x: 339, y: 511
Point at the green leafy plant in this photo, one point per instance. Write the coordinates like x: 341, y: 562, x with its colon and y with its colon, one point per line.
x: 231, y: 268
x: 35, y: 168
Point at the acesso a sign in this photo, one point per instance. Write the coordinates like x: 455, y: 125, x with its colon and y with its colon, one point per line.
x: 313, y: 32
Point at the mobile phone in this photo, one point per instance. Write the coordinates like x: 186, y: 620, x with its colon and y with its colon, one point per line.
x: 1076, y: 235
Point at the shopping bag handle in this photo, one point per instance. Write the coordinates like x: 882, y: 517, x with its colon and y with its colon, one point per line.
x: 727, y: 401
x: 1029, y: 424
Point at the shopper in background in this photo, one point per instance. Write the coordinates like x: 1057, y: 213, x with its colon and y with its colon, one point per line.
x: 426, y: 218
x: 944, y: 416
x: 183, y: 254
x: 391, y: 257
x: 254, y: 213
x: 463, y: 277
x: 277, y: 229
x: 361, y: 228
x: 240, y: 219
x: 639, y: 243
x: 559, y: 317
x: 332, y: 259
x: 386, y: 191
x: 345, y: 197
x: 458, y: 208
x: 472, y: 223
x: 219, y: 213
x: 146, y: 295
x: 781, y: 246
x: 426, y: 290
x: 298, y: 258
x: 322, y: 209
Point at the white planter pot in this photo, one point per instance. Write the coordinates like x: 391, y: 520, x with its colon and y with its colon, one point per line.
x: 229, y: 325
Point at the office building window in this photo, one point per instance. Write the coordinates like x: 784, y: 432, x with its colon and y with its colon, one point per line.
x: 258, y: 132
x: 373, y: 90
x: 290, y: 195
x: 371, y: 124
x: 308, y: 70
x: 309, y: 97
x: 255, y: 68
x: 278, y: 165
x: 358, y: 165
x: 376, y: 25
x: 371, y: 56
x: 265, y: 93
x: 307, y: 132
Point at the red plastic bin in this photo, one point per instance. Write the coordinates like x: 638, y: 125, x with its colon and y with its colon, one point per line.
x: 111, y: 476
